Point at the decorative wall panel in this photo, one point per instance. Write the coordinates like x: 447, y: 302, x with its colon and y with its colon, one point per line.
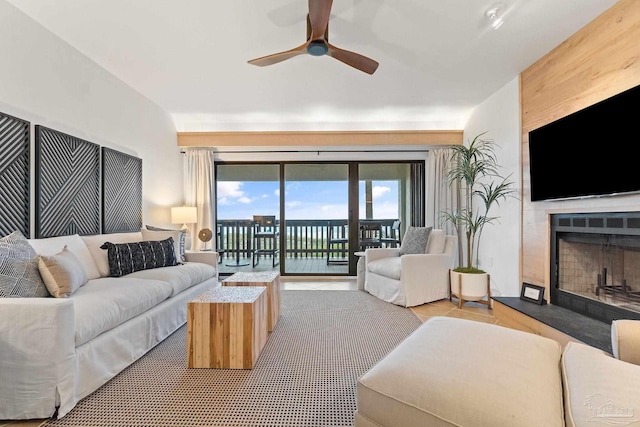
x: 14, y: 175
x: 67, y: 184
x: 121, y: 192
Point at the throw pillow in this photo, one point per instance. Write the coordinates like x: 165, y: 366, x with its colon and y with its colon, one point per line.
x: 19, y: 275
x: 125, y: 258
x: 62, y: 273
x: 179, y: 239
x: 415, y: 240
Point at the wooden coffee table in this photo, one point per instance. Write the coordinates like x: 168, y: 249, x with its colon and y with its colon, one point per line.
x: 227, y: 327
x: 270, y: 279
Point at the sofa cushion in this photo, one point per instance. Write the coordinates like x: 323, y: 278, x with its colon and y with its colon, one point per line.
x: 599, y: 389
x: 437, y: 239
x: 125, y: 258
x: 62, y: 273
x: 180, y: 277
x: 415, y: 240
x: 19, y: 275
x: 105, y: 303
x: 387, y: 267
x: 179, y: 237
x: 455, y: 372
x: 53, y: 245
x: 99, y: 255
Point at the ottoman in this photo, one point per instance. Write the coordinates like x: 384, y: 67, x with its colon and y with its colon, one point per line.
x: 454, y: 372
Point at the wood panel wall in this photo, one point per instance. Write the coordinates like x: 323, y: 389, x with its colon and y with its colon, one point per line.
x: 597, y: 62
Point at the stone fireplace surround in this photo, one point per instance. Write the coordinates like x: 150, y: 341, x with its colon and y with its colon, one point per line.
x: 595, y: 264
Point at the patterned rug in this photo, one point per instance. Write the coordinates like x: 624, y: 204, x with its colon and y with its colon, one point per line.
x: 305, y: 376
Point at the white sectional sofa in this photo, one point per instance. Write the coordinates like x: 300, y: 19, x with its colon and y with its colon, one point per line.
x: 455, y: 372
x: 56, y: 351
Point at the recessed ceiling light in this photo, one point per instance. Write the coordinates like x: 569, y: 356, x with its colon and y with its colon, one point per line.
x: 494, y: 14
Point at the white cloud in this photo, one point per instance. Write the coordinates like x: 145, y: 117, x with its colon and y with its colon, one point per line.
x: 229, y: 189
x: 277, y: 192
x: 379, y: 191
x: 244, y: 200
x: 293, y: 203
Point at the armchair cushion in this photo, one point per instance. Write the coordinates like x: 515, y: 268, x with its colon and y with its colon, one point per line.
x: 415, y: 240
x: 598, y: 389
x: 625, y: 340
x: 388, y: 267
x: 437, y: 240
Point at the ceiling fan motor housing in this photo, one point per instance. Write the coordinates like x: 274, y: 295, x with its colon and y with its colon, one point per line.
x: 317, y: 48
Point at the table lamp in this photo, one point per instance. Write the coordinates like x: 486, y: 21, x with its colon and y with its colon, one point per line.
x: 184, y: 215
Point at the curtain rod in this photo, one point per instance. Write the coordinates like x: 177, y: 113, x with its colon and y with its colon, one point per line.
x: 317, y: 151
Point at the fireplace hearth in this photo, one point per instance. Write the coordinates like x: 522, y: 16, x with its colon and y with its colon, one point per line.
x: 595, y: 264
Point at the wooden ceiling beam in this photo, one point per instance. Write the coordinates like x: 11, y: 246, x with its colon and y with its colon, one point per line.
x: 319, y: 138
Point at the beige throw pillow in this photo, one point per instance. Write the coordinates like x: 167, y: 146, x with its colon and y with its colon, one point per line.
x: 62, y: 273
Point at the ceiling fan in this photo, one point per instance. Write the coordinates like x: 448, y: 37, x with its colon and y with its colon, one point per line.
x: 317, y: 43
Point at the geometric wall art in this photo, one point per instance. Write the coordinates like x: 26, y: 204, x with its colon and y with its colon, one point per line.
x: 14, y: 175
x: 121, y: 192
x: 67, y: 185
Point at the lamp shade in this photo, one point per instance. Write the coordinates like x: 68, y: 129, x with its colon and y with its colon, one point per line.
x: 184, y: 215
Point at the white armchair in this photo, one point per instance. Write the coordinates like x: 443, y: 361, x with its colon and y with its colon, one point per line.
x: 411, y: 279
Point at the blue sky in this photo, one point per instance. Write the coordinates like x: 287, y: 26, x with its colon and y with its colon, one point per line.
x: 304, y: 199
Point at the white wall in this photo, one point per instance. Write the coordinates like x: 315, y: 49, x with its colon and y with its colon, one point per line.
x: 47, y: 82
x: 500, y: 245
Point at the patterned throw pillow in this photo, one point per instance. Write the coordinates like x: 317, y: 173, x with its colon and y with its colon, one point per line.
x: 415, y: 240
x: 179, y: 239
x: 19, y: 275
x: 125, y: 258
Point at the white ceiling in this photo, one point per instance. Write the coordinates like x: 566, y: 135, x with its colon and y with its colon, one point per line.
x: 438, y: 59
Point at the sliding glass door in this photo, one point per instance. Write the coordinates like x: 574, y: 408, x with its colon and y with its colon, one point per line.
x: 244, y: 194
x: 316, y: 212
x: 304, y: 218
x: 384, y: 190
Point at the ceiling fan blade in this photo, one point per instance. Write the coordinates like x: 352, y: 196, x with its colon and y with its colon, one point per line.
x: 279, y: 57
x: 319, y: 12
x: 353, y: 59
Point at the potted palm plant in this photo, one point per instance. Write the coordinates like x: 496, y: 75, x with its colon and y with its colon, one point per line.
x: 475, y: 169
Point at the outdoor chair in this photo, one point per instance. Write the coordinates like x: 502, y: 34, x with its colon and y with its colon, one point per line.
x: 337, y: 237
x: 393, y: 239
x: 370, y: 235
x: 265, y: 238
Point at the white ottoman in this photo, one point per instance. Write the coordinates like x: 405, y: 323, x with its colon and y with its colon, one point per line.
x: 453, y: 372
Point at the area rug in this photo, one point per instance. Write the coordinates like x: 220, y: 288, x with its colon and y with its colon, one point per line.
x: 305, y: 376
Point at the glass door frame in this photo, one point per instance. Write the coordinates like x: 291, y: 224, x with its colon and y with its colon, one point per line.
x: 353, y: 206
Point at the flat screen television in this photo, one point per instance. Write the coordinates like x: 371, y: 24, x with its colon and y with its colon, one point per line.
x: 592, y: 152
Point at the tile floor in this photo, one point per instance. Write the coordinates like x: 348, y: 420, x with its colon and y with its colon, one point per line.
x: 470, y: 311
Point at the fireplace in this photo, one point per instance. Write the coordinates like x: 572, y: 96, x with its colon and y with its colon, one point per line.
x: 595, y: 264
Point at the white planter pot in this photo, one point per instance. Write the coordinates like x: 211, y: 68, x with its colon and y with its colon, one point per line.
x: 475, y: 287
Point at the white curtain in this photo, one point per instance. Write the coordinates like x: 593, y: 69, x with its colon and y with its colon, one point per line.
x: 200, y: 191
x: 442, y: 197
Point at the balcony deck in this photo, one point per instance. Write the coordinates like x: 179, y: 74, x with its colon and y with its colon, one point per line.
x: 294, y: 266
x: 307, y: 245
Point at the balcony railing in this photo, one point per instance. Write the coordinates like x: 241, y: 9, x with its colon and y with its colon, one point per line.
x: 304, y: 238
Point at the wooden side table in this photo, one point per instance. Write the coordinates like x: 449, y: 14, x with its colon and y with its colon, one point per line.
x: 227, y: 327
x: 270, y: 279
